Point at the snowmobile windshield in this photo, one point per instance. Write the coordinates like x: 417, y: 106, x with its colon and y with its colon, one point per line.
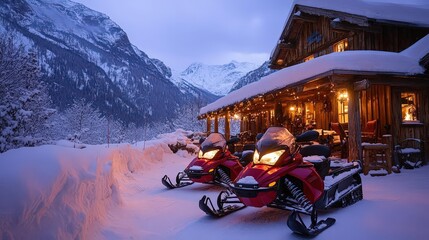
x: 213, y: 141
x: 275, y: 138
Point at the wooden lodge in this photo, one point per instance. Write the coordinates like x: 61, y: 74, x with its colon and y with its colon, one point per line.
x: 322, y: 81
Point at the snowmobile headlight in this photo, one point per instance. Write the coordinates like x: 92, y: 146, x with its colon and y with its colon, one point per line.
x: 208, y: 155
x: 269, y: 159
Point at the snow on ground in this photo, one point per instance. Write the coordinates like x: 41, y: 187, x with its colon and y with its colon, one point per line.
x: 60, y: 192
x: 394, y: 207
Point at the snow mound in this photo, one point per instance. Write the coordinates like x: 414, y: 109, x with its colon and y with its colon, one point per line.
x: 247, y: 180
x: 64, y: 191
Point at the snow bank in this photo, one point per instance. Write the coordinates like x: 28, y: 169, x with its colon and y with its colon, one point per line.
x: 62, y: 192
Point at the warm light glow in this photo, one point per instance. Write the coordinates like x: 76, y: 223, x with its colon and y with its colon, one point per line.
x: 343, y: 96
x: 292, y: 109
x: 311, y: 57
x: 343, y: 99
x: 410, y: 113
x: 341, y: 46
x: 408, y: 117
x: 236, y: 116
x: 409, y: 106
x: 269, y: 159
x: 208, y: 155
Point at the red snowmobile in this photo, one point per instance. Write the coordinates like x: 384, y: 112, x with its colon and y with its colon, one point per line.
x: 214, y: 164
x: 280, y: 178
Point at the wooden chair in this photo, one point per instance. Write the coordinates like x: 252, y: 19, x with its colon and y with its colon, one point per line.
x: 369, y: 133
x: 343, y: 139
x: 410, y: 153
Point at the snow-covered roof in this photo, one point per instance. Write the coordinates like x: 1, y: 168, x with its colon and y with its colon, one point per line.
x: 403, y: 63
x: 403, y: 12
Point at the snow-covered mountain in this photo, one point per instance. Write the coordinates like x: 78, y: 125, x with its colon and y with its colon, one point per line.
x: 84, y: 54
x: 252, y: 76
x: 217, y: 79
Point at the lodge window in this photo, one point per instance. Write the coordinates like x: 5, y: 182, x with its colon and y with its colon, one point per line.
x: 409, y: 106
x: 310, y: 114
x: 311, y: 57
x: 341, y: 46
x: 343, y: 106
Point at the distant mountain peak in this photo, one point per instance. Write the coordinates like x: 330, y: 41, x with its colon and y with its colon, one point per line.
x: 252, y: 76
x: 85, y: 55
x: 217, y: 79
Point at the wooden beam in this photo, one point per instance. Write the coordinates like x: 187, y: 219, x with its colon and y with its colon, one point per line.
x: 361, y: 85
x: 227, y: 127
x: 209, y: 124
x: 354, y: 137
x: 300, y: 16
x: 216, y: 124
x: 343, y: 26
x: 285, y: 44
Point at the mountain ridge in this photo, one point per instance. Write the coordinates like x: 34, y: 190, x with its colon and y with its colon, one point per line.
x: 217, y: 79
x: 84, y: 54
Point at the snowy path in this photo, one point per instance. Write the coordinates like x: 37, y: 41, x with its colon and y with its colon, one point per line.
x: 394, y: 207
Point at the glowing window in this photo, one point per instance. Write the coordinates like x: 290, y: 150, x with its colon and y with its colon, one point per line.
x: 409, y: 106
x: 343, y: 106
x: 341, y: 46
x: 311, y: 57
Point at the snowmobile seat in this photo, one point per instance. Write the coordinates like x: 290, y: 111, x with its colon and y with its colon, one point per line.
x: 320, y: 163
x: 318, y: 156
x: 315, y: 150
x: 250, y: 146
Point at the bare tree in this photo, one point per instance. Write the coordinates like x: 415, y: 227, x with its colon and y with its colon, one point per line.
x: 85, y: 123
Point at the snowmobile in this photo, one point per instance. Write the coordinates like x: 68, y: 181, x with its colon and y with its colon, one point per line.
x: 214, y: 164
x: 278, y: 177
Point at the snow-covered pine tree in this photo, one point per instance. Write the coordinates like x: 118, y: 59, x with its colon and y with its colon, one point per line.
x: 24, y: 102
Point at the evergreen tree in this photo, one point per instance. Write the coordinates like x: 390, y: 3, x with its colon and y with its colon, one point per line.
x: 24, y: 102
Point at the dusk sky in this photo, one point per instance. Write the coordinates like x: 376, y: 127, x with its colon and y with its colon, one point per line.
x: 181, y: 32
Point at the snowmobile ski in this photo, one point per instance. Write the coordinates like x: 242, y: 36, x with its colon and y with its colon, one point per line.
x: 297, y: 225
x: 182, y: 180
x: 225, y: 204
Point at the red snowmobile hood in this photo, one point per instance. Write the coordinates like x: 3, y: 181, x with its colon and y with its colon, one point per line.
x: 264, y: 174
x: 204, y: 164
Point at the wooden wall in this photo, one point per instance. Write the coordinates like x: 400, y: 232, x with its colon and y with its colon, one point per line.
x: 402, y: 131
x: 312, y: 31
x: 319, y: 37
x: 376, y: 103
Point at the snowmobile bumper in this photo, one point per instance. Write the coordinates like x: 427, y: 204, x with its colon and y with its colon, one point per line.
x: 200, y: 176
x: 253, y: 195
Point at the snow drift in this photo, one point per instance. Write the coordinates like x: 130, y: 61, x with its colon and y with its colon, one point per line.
x: 63, y: 191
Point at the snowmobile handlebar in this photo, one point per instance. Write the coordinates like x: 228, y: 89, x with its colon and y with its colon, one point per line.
x: 307, y: 136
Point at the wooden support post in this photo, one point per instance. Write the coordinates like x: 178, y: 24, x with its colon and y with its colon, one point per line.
x: 209, y: 125
x: 278, y: 114
x: 216, y: 124
x: 354, y: 137
x: 227, y: 127
x: 387, y: 139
